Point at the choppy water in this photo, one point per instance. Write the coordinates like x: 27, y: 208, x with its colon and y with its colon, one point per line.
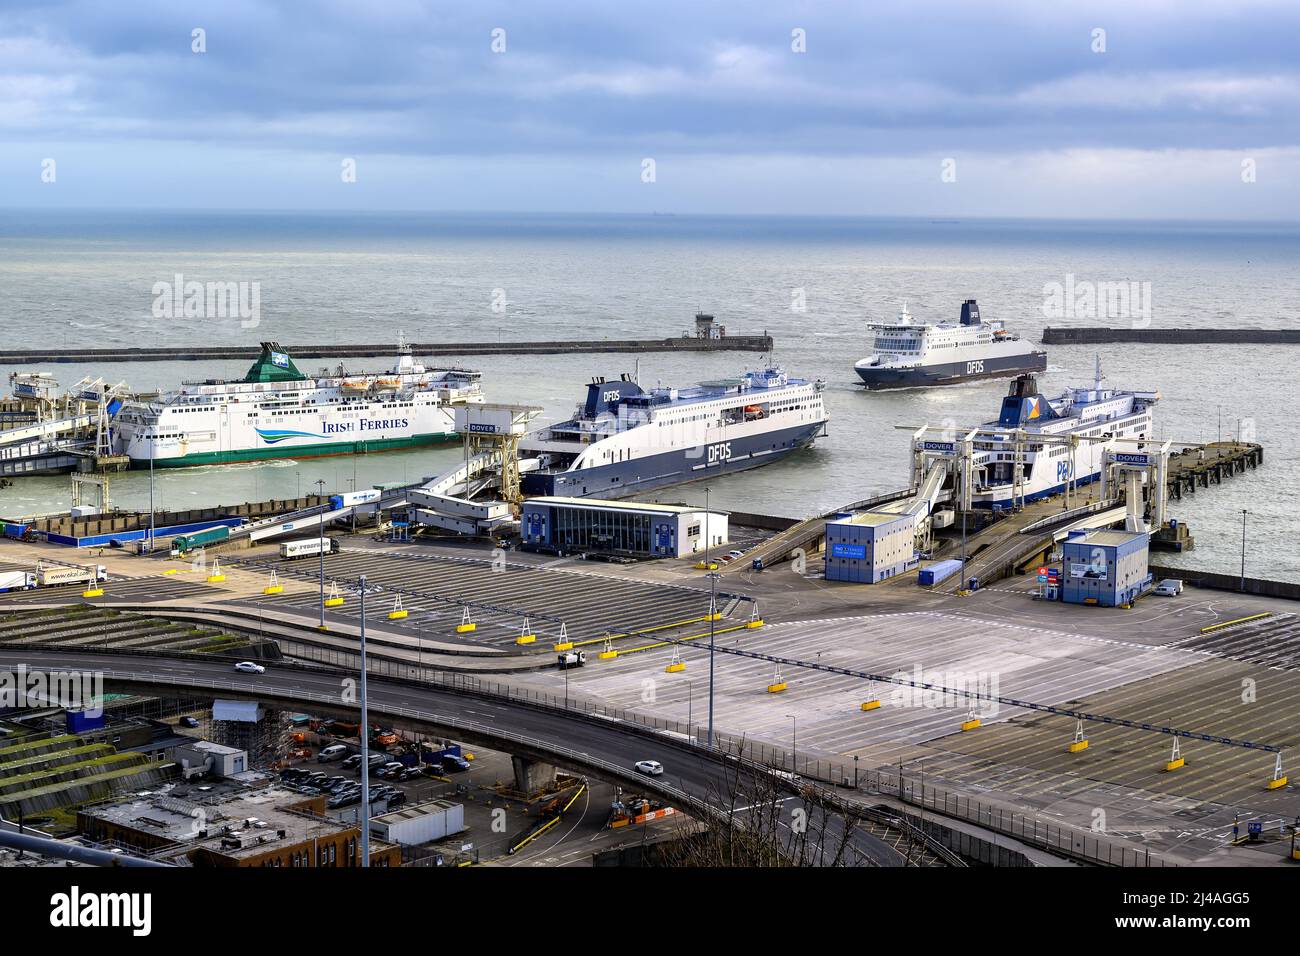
x: 82, y: 279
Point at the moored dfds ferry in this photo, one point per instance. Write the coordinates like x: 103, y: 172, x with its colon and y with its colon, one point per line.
x: 1096, y: 415
x: 624, y: 440
x: 908, y: 354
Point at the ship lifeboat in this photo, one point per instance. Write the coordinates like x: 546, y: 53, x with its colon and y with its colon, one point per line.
x: 388, y: 383
x: 354, y: 385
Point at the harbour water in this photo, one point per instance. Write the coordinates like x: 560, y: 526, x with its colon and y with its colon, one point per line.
x: 81, y: 279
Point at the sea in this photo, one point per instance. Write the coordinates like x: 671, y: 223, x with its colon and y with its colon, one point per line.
x: 76, y: 279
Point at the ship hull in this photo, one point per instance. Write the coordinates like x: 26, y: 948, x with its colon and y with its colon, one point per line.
x: 622, y: 479
x: 318, y: 450
x: 951, y: 373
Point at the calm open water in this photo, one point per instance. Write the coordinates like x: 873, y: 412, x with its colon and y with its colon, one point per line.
x: 86, y: 279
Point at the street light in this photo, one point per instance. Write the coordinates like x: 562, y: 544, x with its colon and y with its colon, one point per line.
x: 365, y: 735
x: 320, y: 488
x: 794, y: 743
x: 713, y: 603
x: 1243, y: 550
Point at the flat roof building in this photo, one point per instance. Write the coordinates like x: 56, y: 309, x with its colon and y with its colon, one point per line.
x: 232, y: 826
x: 870, y: 546
x: 631, y: 529
x: 1103, y: 567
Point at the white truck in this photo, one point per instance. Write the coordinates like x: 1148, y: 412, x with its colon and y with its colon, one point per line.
x: 308, y: 547
x: 55, y: 575
x: 17, y: 580
x: 567, y: 659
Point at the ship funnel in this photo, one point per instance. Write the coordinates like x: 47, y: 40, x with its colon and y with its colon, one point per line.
x: 970, y: 313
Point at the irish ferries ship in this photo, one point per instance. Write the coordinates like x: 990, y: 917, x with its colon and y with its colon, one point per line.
x: 1058, y: 440
x: 275, y: 411
x: 623, y: 440
x: 907, y: 354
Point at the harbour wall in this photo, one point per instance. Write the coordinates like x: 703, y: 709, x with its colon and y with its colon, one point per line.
x: 1105, y: 336
x: 1229, y: 582
x: 726, y: 343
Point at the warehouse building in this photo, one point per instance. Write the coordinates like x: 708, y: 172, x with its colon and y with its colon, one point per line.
x: 870, y: 546
x: 625, y: 528
x: 1104, y: 567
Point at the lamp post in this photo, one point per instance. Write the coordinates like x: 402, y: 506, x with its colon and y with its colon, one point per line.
x: 713, y: 604
x: 365, y: 736
x: 1243, y: 550
x: 320, y: 488
x: 794, y: 743
x: 153, y: 447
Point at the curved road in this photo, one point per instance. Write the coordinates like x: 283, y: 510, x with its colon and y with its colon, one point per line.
x: 694, y: 779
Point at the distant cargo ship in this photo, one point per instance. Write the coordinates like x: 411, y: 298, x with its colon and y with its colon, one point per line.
x: 624, y: 440
x: 275, y: 411
x: 908, y: 354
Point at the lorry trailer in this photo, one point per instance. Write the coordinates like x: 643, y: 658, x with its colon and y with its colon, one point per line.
x: 185, y: 543
x: 308, y: 547
x: 53, y: 575
x: 17, y: 580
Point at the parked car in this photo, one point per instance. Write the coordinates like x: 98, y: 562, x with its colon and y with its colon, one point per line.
x: 1169, y: 587
x: 351, y: 763
x: 248, y: 667
x: 332, y: 752
x: 453, y: 764
x: 651, y: 768
x: 189, y: 722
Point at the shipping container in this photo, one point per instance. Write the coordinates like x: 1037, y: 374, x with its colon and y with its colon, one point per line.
x: 938, y: 571
x: 348, y: 499
x: 52, y: 575
x: 182, y: 544
x: 308, y: 547
x: 80, y: 722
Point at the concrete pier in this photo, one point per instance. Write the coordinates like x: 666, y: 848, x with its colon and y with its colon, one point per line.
x: 1233, y: 336
x: 725, y: 343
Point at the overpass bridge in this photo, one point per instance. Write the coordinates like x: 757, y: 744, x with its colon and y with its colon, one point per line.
x: 703, y: 782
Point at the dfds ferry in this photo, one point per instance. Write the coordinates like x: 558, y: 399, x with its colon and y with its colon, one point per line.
x: 1090, y: 413
x: 275, y: 411
x: 908, y: 354
x: 624, y: 440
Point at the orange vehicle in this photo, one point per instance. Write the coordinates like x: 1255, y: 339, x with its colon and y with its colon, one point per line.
x: 301, y: 753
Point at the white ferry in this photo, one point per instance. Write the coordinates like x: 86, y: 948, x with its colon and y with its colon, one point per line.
x: 1094, y: 414
x: 275, y: 411
x: 909, y: 354
x: 623, y: 440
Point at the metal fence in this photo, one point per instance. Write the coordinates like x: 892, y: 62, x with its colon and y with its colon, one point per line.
x: 1052, y: 836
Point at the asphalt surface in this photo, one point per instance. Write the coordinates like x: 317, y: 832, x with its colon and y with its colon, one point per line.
x: 601, y: 748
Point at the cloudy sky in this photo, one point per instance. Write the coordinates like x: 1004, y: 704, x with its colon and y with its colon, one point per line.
x: 1182, y: 109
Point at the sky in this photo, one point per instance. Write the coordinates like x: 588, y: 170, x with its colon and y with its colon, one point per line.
x: 1051, y: 108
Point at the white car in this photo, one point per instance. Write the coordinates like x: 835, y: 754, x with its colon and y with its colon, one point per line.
x: 651, y: 768
x: 248, y: 667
